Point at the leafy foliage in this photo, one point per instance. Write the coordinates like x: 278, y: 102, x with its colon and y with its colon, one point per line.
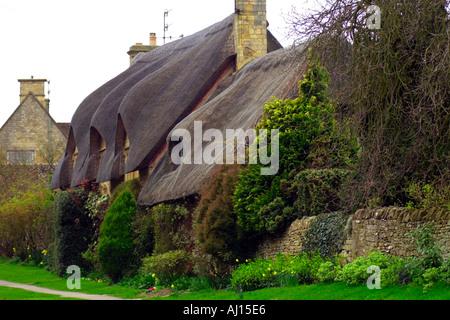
x: 261, y: 273
x: 394, y: 83
x: 132, y: 185
x: 355, y: 273
x: 427, y: 196
x: 326, y: 234
x: 318, y: 190
x: 25, y: 223
x: 429, y: 253
x: 18, y: 179
x: 167, y: 266
x: 115, y: 248
x: 309, y: 137
x: 142, y: 235
x: 170, y: 230
x: 216, y: 225
x: 73, y: 231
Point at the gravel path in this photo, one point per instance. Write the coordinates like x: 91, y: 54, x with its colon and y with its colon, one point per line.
x: 70, y: 294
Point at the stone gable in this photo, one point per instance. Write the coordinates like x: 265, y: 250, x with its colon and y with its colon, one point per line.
x: 30, y: 128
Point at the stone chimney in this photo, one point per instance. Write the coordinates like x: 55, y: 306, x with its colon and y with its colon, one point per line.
x: 250, y: 30
x: 153, y: 39
x: 35, y: 86
x: 139, y: 48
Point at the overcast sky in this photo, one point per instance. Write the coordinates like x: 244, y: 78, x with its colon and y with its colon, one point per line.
x: 80, y: 45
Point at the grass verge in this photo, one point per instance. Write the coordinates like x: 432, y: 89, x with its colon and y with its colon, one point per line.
x: 321, y: 291
x: 42, y: 278
x: 332, y: 291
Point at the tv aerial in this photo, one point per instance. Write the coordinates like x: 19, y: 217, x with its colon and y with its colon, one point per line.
x: 166, y: 25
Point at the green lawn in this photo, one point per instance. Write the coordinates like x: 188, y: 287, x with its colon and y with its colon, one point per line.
x: 42, y: 278
x: 332, y: 291
x: 7, y: 293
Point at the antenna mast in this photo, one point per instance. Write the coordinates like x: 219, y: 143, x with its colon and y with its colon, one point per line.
x: 166, y: 26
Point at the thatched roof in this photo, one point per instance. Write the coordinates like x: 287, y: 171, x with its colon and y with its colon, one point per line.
x: 170, y: 87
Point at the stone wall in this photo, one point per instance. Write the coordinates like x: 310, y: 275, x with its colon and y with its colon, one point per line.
x: 385, y: 229
x: 291, y: 241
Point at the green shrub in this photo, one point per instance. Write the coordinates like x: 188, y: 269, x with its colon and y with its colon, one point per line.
x: 142, y: 234
x: 355, y: 273
x: 25, y: 223
x: 115, y: 248
x: 429, y: 256
x: 132, y: 185
x: 95, y: 207
x: 169, y: 226
x: 331, y: 269
x: 427, y: 196
x: 429, y: 251
x: 445, y: 271
x: 284, y: 269
x: 167, y: 266
x: 416, y: 271
x: 431, y: 276
x: 309, y: 137
x: 276, y: 215
x: 327, y: 272
x: 390, y: 276
x: 254, y: 275
x: 73, y: 231
x: 318, y: 190
x: 215, y: 226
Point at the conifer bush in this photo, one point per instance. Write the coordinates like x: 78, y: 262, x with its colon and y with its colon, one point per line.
x: 115, y: 248
x: 215, y: 225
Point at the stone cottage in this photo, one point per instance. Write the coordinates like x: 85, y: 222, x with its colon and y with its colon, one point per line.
x: 31, y: 135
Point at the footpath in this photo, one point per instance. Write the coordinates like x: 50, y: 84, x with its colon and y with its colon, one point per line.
x: 67, y: 294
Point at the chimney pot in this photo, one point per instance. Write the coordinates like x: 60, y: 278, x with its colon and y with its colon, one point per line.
x: 153, y: 39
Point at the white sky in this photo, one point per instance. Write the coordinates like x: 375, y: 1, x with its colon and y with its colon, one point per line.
x: 80, y: 45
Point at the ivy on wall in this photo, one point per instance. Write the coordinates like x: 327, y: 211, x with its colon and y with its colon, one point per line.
x: 326, y: 234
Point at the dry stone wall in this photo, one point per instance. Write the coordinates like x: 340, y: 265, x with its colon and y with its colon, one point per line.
x: 291, y: 241
x: 385, y: 229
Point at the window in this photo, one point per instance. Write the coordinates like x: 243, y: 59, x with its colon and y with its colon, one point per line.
x: 74, y: 157
x: 20, y: 157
